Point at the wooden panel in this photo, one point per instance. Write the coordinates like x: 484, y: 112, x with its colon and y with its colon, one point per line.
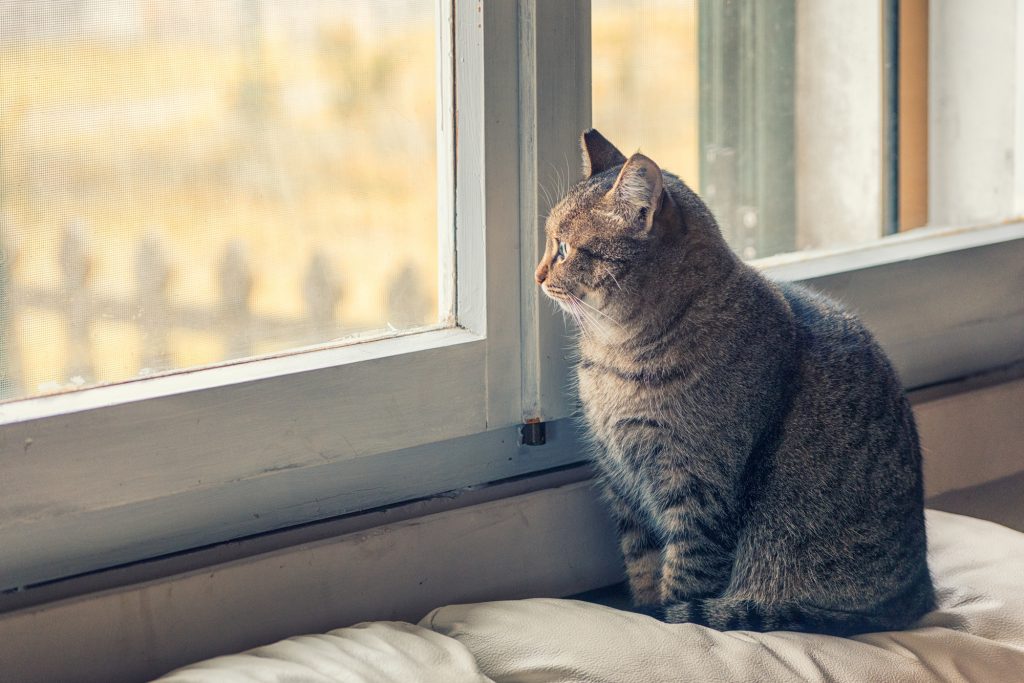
x: 973, y: 437
x: 944, y: 305
x: 70, y: 466
x: 444, y: 43
x: 554, y: 85
x: 973, y: 326
x: 43, y: 547
x: 487, y: 180
x: 913, y: 113
x: 105, y: 458
x: 549, y: 543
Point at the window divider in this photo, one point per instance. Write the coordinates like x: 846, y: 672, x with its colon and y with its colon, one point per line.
x: 555, y: 96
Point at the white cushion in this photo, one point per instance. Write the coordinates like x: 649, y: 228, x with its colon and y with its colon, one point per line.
x: 379, y: 652
x: 977, y: 634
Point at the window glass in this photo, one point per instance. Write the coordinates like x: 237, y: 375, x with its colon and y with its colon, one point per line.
x: 812, y: 126
x: 645, y: 80
x: 184, y: 183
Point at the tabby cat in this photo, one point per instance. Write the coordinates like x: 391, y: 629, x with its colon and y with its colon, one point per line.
x: 753, y: 442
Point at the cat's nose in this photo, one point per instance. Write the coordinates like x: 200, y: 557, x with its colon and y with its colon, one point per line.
x: 541, y: 273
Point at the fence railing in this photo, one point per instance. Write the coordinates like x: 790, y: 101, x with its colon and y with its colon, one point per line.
x: 150, y: 310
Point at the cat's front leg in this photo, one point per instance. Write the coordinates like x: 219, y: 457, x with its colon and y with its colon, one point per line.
x: 641, y: 551
x: 699, y: 539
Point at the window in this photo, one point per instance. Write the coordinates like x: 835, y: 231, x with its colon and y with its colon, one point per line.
x: 131, y: 470
x: 811, y: 127
x: 190, y: 184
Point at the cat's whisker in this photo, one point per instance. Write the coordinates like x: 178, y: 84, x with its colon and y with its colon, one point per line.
x: 567, y: 312
x: 593, y: 323
x: 560, y: 309
x: 548, y: 199
x: 589, y: 317
x: 565, y: 315
x: 558, y: 183
x: 600, y: 312
x: 583, y: 322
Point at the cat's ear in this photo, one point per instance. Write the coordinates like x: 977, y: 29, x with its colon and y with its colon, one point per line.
x: 598, y: 154
x: 637, y: 191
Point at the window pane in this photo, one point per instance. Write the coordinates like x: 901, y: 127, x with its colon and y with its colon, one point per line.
x: 185, y: 183
x: 803, y: 125
x: 645, y: 81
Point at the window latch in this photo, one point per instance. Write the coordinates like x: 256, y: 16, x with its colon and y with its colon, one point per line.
x: 533, y: 433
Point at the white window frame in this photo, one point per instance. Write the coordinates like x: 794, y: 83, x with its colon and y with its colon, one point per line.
x: 119, y: 473
x: 126, y: 472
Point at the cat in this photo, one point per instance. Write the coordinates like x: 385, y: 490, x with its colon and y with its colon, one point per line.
x: 753, y: 443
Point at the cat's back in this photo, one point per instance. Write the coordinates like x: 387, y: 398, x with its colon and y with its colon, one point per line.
x: 841, y: 494
x: 824, y: 324
x: 840, y: 360
x: 849, y: 431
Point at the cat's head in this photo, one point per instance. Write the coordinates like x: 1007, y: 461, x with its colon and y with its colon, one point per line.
x: 602, y: 233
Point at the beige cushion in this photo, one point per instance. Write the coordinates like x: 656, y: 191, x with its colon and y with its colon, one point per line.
x: 977, y: 634
x: 379, y: 652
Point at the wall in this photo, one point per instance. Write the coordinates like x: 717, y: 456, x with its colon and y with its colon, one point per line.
x: 972, y: 437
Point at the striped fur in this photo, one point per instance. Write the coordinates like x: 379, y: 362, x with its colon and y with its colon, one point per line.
x: 754, y: 444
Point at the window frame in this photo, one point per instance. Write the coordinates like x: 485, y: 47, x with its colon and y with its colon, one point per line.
x: 123, y: 472
x: 126, y: 472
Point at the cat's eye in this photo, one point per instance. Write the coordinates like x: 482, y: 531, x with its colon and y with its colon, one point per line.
x: 563, y: 250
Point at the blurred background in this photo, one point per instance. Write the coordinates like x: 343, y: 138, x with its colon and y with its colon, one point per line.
x: 802, y: 123
x: 185, y: 182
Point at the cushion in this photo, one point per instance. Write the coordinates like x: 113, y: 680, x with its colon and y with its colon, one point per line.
x: 977, y: 634
x: 379, y: 652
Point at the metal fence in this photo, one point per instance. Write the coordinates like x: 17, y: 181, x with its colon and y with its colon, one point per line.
x: 150, y: 310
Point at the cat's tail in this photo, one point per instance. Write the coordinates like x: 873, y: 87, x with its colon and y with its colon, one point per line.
x: 728, y: 614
